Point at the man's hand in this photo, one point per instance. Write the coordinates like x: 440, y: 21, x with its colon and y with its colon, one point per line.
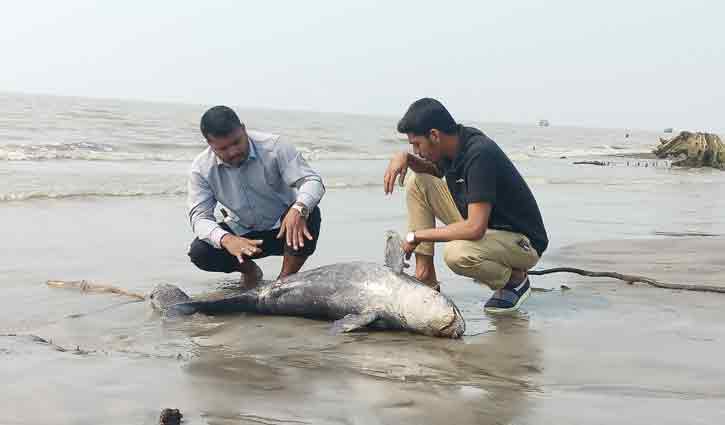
x: 294, y: 228
x: 239, y: 246
x: 398, y: 166
x: 408, y: 248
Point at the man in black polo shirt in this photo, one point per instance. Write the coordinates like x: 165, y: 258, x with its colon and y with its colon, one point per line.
x: 494, y: 232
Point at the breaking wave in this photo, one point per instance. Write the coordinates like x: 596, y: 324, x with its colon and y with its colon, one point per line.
x: 177, y: 191
x: 39, y: 195
x: 180, y: 152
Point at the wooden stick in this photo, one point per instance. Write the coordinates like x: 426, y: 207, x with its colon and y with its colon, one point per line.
x: 86, y: 286
x: 630, y: 279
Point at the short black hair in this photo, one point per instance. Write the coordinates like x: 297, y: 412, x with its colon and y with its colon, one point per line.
x: 424, y: 115
x: 219, y: 121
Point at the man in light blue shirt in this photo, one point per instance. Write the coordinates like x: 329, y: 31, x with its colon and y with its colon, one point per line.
x: 266, y: 191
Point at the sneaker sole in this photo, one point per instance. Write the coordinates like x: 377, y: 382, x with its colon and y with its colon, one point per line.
x: 521, y: 300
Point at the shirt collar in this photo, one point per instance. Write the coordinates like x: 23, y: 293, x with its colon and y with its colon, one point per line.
x: 252, y: 154
x: 464, y: 138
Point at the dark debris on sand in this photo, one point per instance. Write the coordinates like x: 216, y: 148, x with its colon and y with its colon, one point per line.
x: 170, y: 417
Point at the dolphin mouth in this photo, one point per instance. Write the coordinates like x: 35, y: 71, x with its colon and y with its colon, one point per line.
x: 448, y: 330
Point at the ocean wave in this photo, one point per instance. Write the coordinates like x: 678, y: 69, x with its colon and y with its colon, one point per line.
x: 345, y: 185
x: 324, y: 155
x: 179, y: 152
x: 596, y: 151
x: 84, y: 151
x: 41, y: 195
x: 395, y: 139
x: 138, y: 193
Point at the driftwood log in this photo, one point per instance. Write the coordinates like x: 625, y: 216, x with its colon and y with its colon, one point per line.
x: 693, y: 150
x: 631, y: 279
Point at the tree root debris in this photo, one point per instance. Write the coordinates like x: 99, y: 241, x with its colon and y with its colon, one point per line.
x: 631, y: 279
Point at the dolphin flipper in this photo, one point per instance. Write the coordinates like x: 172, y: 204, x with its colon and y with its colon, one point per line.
x: 352, y: 322
x: 394, y: 255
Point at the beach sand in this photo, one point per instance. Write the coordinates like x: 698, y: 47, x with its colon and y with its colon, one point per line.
x: 602, y: 352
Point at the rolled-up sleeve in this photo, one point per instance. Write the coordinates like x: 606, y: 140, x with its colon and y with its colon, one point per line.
x: 200, y: 206
x: 296, y: 172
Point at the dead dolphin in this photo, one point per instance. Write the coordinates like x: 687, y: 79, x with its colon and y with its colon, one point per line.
x: 354, y: 295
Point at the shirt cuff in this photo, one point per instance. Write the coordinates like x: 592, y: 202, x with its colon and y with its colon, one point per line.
x: 306, y: 199
x: 216, y: 236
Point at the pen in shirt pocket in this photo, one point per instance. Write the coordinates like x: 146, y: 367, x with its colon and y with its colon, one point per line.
x: 228, y: 217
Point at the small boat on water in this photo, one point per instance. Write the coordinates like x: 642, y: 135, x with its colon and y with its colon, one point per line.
x: 668, y: 130
x: 543, y: 123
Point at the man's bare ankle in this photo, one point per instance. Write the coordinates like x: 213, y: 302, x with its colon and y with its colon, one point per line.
x: 517, y: 276
x: 249, y: 280
x: 251, y: 275
x: 427, y: 277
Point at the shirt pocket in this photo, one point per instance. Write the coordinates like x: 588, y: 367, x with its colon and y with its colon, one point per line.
x: 272, y: 177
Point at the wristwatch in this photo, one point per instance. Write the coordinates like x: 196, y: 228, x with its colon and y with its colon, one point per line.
x: 302, y: 209
x: 410, y: 237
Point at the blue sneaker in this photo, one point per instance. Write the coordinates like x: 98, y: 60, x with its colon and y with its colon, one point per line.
x: 509, y: 298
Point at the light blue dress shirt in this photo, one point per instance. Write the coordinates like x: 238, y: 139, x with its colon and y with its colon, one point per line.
x: 255, y: 194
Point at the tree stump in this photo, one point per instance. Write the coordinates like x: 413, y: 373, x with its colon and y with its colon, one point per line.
x: 693, y: 150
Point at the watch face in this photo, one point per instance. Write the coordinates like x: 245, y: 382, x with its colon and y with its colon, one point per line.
x: 304, y: 212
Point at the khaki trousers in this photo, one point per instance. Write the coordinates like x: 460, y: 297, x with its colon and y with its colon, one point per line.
x: 488, y: 260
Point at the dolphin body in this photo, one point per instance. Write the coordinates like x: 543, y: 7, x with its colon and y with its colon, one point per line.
x: 354, y: 295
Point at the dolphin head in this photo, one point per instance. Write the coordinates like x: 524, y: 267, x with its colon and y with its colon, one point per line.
x: 164, y: 296
x: 456, y: 327
x: 430, y: 312
x: 449, y: 322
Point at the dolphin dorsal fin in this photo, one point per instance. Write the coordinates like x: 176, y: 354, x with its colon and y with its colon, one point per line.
x: 394, y: 255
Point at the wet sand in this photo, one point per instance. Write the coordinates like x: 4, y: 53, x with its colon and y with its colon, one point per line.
x: 602, y: 352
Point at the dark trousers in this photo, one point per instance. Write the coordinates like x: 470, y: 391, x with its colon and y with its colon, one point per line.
x: 208, y: 258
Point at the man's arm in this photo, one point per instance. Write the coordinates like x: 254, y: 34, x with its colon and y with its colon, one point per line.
x: 201, y: 203
x: 471, y: 229
x: 420, y: 165
x: 399, y: 164
x: 296, y: 172
x: 481, y: 195
x: 310, y: 191
x: 200, y: 209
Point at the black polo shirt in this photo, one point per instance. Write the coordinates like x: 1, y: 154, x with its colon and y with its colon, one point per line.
x: 481, y: 172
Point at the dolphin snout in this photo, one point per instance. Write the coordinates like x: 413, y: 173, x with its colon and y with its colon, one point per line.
x: 456, y: 327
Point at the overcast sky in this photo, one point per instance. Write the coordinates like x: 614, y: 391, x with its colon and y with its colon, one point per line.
x: 616, y: 63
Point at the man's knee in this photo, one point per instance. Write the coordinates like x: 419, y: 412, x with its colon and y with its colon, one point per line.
x: 314, y: 223
x: 458, y: 257
x: 419, y: 182
x: 201, y: 254
x: 464, y: 260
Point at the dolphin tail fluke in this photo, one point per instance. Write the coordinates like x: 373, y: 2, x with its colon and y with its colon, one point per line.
x: 353, y: 322
x: 394, y: 255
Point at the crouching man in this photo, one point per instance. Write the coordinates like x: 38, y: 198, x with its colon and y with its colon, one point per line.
x: 269, y: 195
x: 493, y: 229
